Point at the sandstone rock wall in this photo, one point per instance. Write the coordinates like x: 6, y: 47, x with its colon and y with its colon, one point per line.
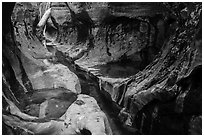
x: 163, y: 98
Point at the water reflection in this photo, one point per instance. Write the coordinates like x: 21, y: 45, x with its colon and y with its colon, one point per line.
x: 118, y: 70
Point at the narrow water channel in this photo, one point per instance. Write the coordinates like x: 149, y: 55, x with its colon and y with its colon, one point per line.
x: 118, y: 70
x: 91, y: 88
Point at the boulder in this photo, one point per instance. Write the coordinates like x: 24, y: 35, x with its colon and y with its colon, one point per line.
x: 83, y: 117
x: 55, y: 76
x: 84, y: 113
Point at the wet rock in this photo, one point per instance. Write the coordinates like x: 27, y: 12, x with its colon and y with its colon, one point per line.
x: 46, y: 75
x: 41, y: 73
x: 112, y: 38
x: 32, y: 109
x: 146, y: 86
x: 56, y: 75
x: 55, y: 108
x: 76, y: 119
x: 156, y: 100
x: 87, y: 116
x: 55, y: 99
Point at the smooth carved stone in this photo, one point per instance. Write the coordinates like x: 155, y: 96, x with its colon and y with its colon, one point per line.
x: 56, y: 76
x: 78, y: 119
x: 87, y: 116
x: 49, y: 103
x: 55, y: 108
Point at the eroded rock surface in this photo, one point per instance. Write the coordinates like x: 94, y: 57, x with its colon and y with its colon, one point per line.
x: 83, y: 114
x: 37, y: 93
x: 142, y: 59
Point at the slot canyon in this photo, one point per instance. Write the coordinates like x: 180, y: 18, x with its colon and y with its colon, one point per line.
x: 101, y: 68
